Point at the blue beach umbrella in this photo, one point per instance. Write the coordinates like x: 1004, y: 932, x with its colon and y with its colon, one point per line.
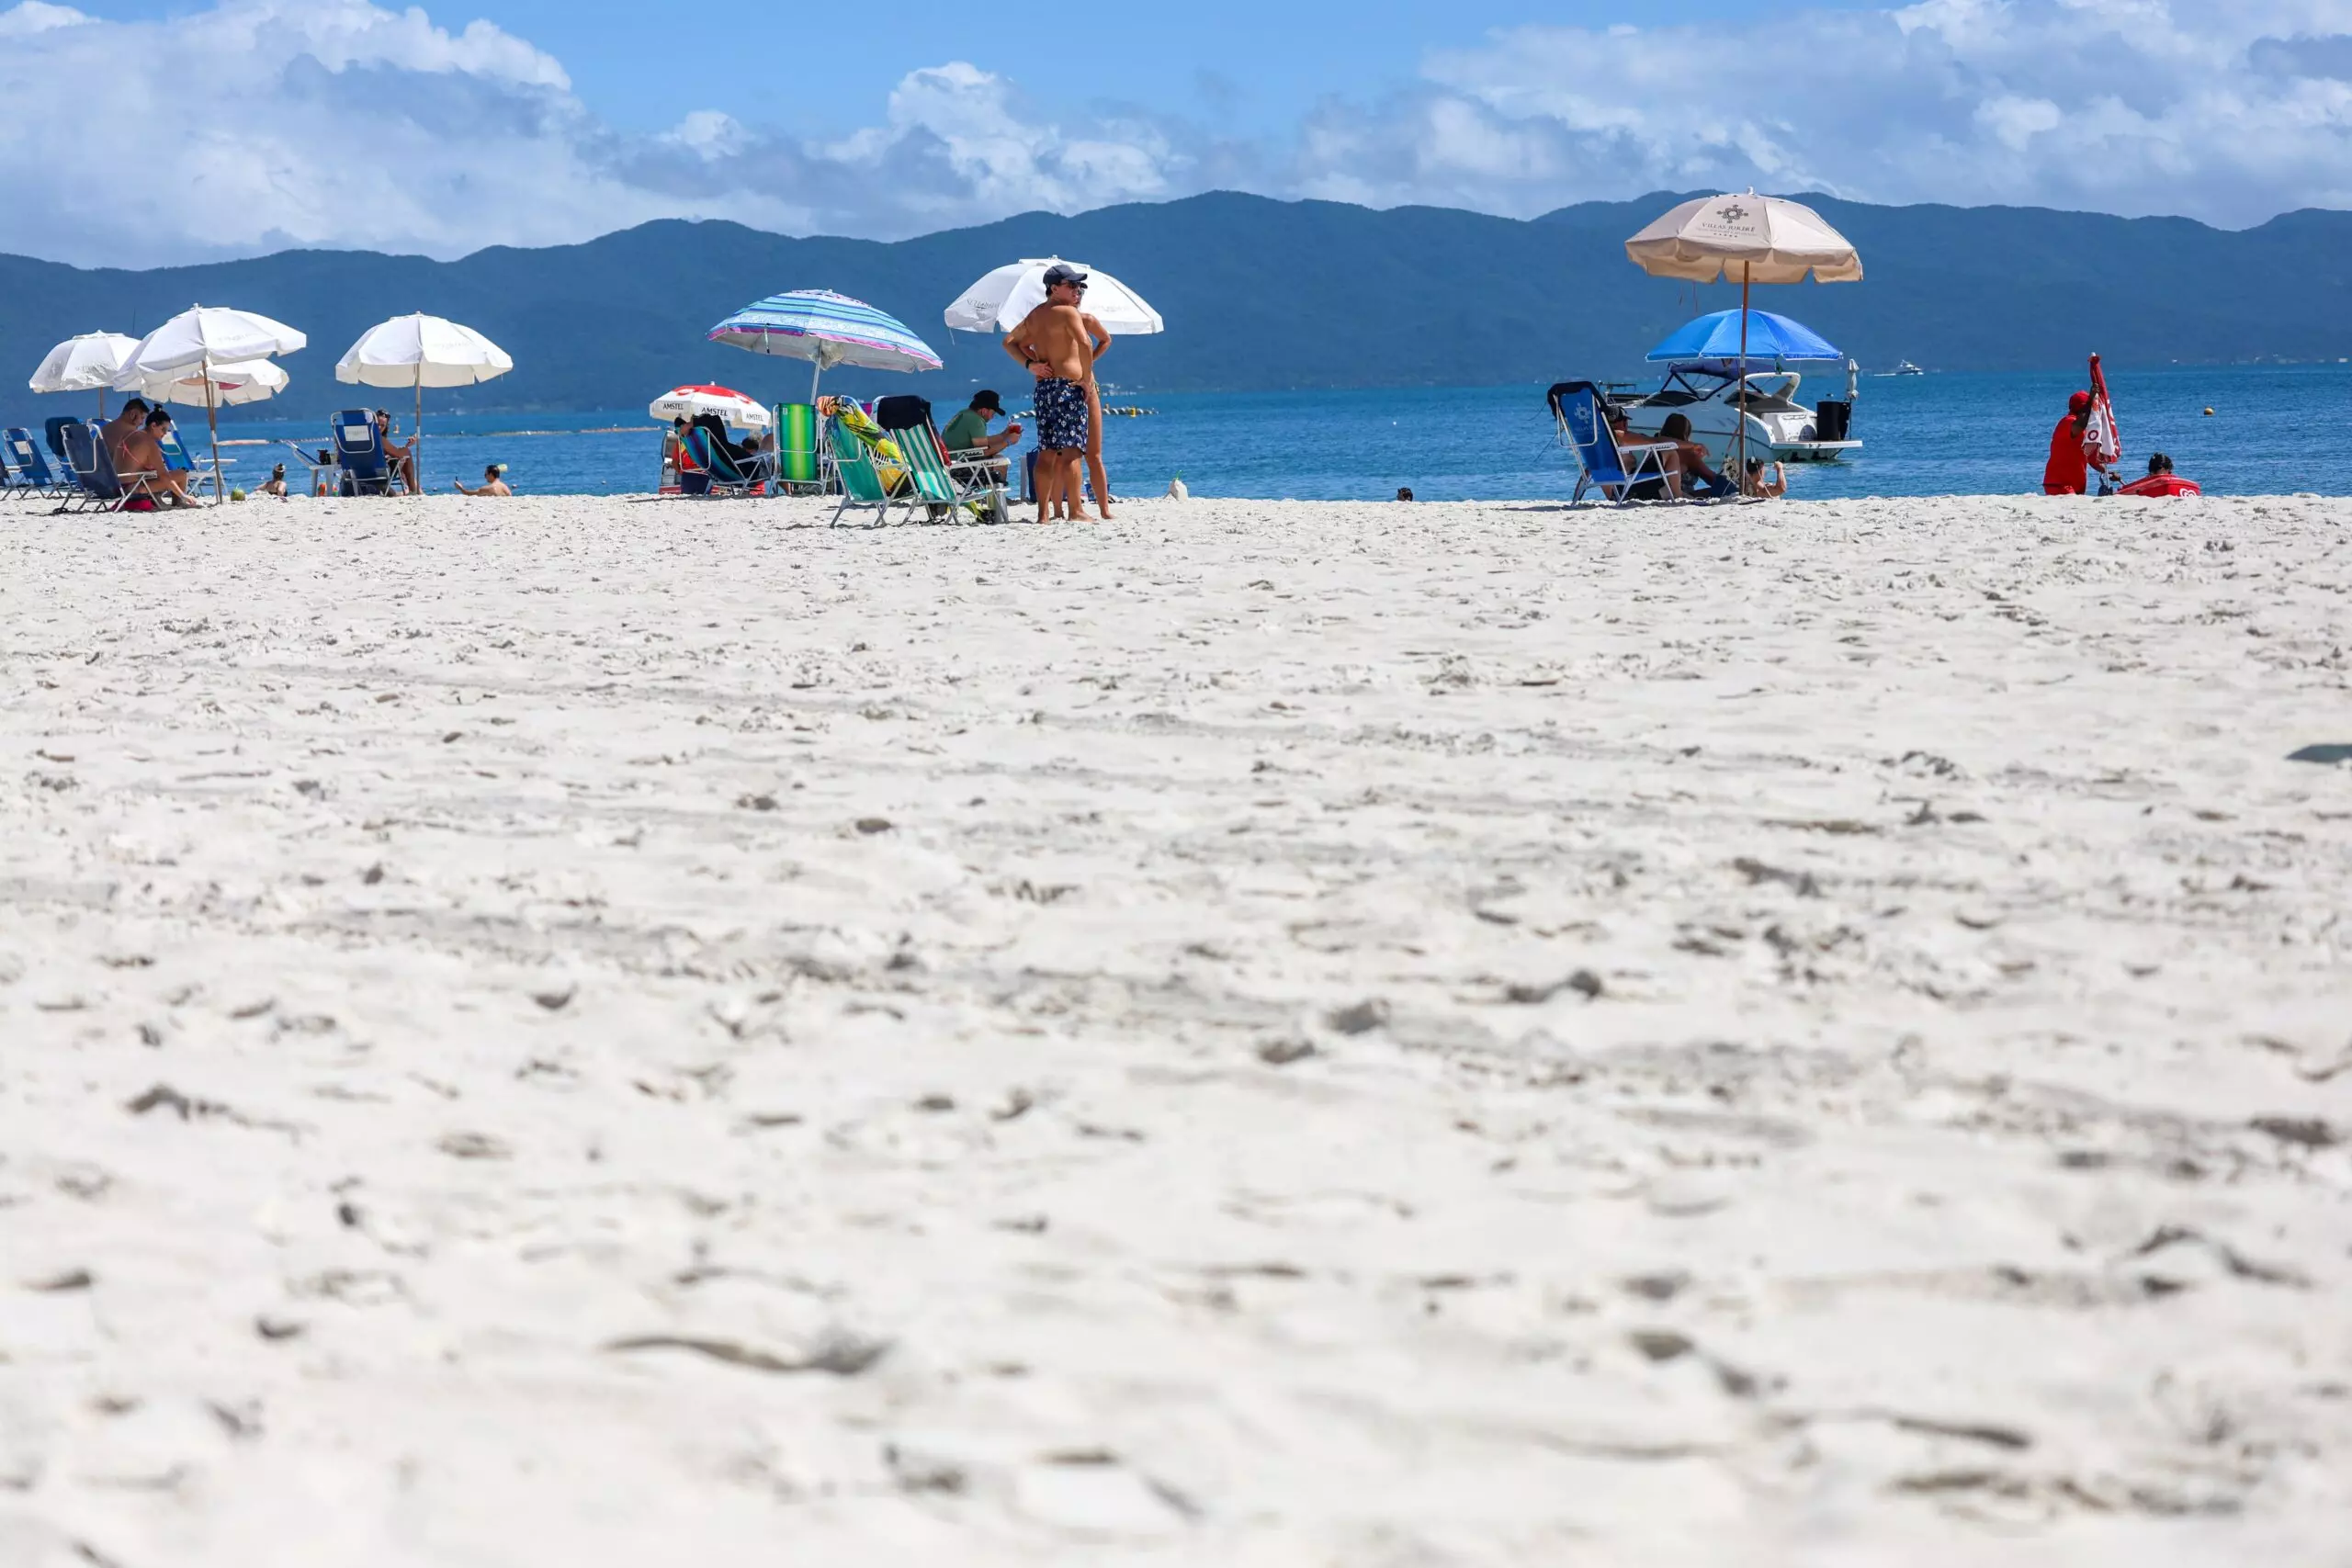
x: 825, y: 329
x: 1717, y: 336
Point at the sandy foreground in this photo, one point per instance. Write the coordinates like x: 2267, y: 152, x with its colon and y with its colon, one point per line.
x: 576, y: 1032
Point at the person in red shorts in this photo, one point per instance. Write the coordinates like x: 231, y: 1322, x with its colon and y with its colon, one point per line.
x: 2068, y: 471
x: 2161, y: 480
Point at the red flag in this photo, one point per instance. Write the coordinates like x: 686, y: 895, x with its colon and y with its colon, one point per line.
x: 2102, y: 442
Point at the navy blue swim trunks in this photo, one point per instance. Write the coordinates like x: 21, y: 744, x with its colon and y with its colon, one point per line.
x: 1062, y: 414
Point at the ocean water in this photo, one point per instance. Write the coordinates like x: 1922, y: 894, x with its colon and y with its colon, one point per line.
x: 2272, y: 431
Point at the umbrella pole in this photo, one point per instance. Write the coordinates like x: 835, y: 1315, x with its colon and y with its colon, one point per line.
x: 417, y: 466
x: 212, y: 425
x: 1739, y: 475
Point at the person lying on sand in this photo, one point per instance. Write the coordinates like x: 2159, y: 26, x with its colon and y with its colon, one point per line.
x: 1052, y: 344
x: 143, y: 453
x: 493, y: 483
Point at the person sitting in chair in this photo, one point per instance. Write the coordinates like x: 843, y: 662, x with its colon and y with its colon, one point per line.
x: 968, y: 432
x: 132, y: 418
x: 143, y: 453
x: 1664, y: 486
x: 1689, y: 459
x: 401, y: 455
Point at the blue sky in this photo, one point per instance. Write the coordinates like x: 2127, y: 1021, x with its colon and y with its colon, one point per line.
x: 455, y: 124
x: 1259, y: 65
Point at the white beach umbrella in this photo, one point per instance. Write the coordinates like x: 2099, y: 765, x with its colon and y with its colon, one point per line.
x: 1761, y: 239
x: 690, y: 402
x: 88, y: 362
x: 206, y: 336
x: 225, y: 385
x: 998, y: 302
x: 421, y: 350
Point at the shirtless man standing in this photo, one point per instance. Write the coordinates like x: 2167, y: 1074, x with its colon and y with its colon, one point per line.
x: 1052, y: 344
x: 143, y: 453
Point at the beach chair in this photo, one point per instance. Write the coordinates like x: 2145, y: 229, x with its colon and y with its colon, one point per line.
x: 1580, y: 410
x: 102, y: 487
x: 800, y: 469
x: 721, y: 473
x: 360, y: 453
x: 937, y: 483
x: 862, y: 486
x: 176, y: 457
x: 55, y: 427
x: 33, y: 473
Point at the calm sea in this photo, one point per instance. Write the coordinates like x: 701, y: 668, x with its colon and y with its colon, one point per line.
x: 2271, y: 431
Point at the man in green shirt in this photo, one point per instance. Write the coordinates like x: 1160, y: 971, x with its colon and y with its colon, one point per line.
x: 968, y: 432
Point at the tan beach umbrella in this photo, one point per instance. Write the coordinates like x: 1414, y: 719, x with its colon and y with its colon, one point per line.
x: 1758, y: 239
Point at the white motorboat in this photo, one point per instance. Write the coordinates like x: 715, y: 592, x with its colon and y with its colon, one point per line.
x: 1779, y: 428
x: 1907, y: 368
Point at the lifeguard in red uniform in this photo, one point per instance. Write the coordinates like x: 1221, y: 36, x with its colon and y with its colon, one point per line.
x: 2068, y: 471
x: 2161, y: 480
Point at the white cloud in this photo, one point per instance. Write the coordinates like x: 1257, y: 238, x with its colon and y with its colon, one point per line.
x: 342, y: 122
x: 37, y: 16
x: 2231, y: 112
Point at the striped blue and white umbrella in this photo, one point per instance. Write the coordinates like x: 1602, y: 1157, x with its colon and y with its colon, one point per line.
x: 827, y: 329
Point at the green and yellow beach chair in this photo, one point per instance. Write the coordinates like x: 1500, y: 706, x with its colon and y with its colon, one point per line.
x: 863, y: 484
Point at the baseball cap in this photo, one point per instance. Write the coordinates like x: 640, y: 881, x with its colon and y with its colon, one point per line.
x: 987, y: 401
x: 2079, y: 402
x: 1061, y: 273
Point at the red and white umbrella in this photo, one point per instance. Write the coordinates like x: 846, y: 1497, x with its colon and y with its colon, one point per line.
x: 2102, y: 442
x: 690, y: 402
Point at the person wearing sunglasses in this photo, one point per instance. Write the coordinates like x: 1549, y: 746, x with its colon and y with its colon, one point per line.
x: 1052, y: 343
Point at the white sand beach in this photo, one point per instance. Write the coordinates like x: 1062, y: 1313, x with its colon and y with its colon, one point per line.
x: 570, y: 1031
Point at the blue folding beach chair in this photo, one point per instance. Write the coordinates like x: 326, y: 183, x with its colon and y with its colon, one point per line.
x: 1621, y: 473
x: 359, y: 452
x: 54, y: 428
x: 723, y: 475
x: 32, y: 468
x: 102, y: 487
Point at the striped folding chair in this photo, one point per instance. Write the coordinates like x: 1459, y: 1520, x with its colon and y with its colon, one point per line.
x: 862, y: 486
x: 942, y: 485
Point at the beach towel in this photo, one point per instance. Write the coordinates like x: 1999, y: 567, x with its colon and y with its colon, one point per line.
x: 889, y: 463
